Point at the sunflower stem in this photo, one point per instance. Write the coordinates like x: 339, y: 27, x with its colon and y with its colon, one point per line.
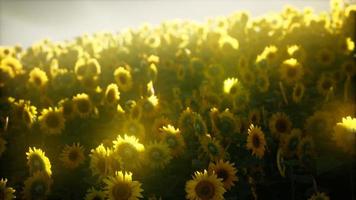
x: 281, y: 87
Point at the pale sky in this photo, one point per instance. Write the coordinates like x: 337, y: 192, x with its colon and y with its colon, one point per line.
x: 27, y: 21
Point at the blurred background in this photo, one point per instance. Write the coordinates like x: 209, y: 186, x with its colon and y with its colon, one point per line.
x: 25, y: 22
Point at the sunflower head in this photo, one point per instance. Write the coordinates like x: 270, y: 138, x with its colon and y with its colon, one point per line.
x: 256, y: 141
x: 279, y: 125
x: 204, y: 186
x: 38, y: 78
x: 345, y: 133
x: 157, y: 155
x: 112, y: 94
x: 212, y: 147
x: 37, y: 186
x: 13, y: 63
x: 225, y: 123
x: 231, y: 86
x: 82, y: 105
x: 325, y: 84
x: 123, y: 79
x: 224, y: 170
x: 291, y: 71
x: 6, y: 193
x: 37, y: 161
x: 186, y: 121
x: 99, y: 161
x: 173, y: 138
x: 298, y: 92
x: 67, y: 107
x: 52, y: 121
x: 291, y: 142
x: 72, y: 156
x: 94, y: 194
x: 135, y: 128
x: 325, y: 57
x: 129, y: 150
x: 121, y: 186
x: 6, y: 74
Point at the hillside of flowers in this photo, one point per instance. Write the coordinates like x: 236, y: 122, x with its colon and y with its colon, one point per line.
x: 236, y: 107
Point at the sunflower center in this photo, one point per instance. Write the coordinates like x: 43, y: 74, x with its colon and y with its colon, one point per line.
x: 122, y: 79
x: 83, y: 106
x: 171, y: 142
x: 127, y: 151
x: 281, y: 125
x: 111, y: 96
x: 325, y: 57
x: 292, y: 72
x: 37, y: 163
x: 233, y: 90
x: 223, y: 174
x: 156, y: 154
x: 52, y: 120
x: 121, y: 191
x: 225, y: 125
x: 205, y: 190
x: 37, y: 80
x: 38, y: 189
x: 256, y: 141
x: 73, y: 155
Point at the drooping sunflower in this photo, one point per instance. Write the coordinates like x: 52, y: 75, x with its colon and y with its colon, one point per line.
x: 291, y: 71
x: 67, y: 107
x: 279, y: 125
x: 6, y: 74
x: 345, y: 134
x: 99, y: 161
x: 298, y: 92
x: 157, y: 155
x: 325, y: 84
x: 93, y: 194
x: 72, y: 156
x: 52, y: 121
x: 204, y: 186
x: 319, y: 196
x: 83, y: 105
x: 212, y: 147
x: 37, y: 186
x: 186, y: 121
x: 173, y: 138
x: 24, y: 113
x: 13, y: 63
x: 129, y: 149
x: 135, y: 128
x: 256, y: 141
x: 225, y: 171
x: 112, y: 94
x: 6, y: 193
x: 225, y: 123
x: 291, y: 142
x: 37, y: 161
x: 121, y: 186
x: 38, y: 78
x: 123, y: 79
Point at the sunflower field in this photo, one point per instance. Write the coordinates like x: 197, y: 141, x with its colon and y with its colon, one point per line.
x: 232, y: 108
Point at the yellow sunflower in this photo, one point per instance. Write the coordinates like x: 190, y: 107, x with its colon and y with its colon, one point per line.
x: 67, y: 107
x: 157, y: 155
x: 6, y: 193
x: 325, y: 57
x: 256, y: 141
x: 291, y: 142
x: 2, y: 146
x: 204, y: 187
x: 157, y: 125
x: 149, y: 105
x: 186, y: 121
x: 173, y: 138
x: 112, y: 94
x: 72, y: 156
x: 345, y: 133
x: 24, y: 113
x: 279, y: 125
x: 13, y: 63
x: 6, y: 74
x: 136, y: 112
x: 270, y: 54
x: 225, y: 171
x: 83, y: 105
x: 37, y: 161
x: 319, y: 196
x: 349, y: 68
x: 298, y: 92
x: 231, y: 86
x: 93, y: 194
x: 38, y: 77
x: 123, y: 79
x: 291, y: 71
x: 129, y: 150
x: 87, y: 68
x: 212, y: 147
x: 121, y: 186
x: 99, y: 161
x: 325, y: 84
x: 52, y: 121
x: 135, y: 128
x: 37, y: 186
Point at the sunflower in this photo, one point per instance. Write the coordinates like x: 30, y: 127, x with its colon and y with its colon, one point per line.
x: 6, y: 193
x: 13, y: 63
x: 345, y: 134
x: 128, y: 149
x: 2, y: 146
x: 37, y: 186
x: 319, y: 196
x: 72, y: 156
x: 212, y: 147
x: 52, y: 121
x: 93, y: 194
x: 38, y: 78
x: 291, y: 143
x: 123, y: 79
x: 67, y: 107
x: 112, y: 94
x: 225, y: 123
x: 254, y: 116
x: 279, y: 125
x: 325, y: 84
x: 270, y: 54
x: 298, y: 92
x: 186, y: 121
x: 204, y: 186
x: 349, y: 68
x: 157, y: 155
x: 135, y: 128
x: 121, y: 186
x: 256, y: 141
x: 136, y: 112
x: 87, y: 68
x: 325, y: 57
x: 37, y: 161
x: 173, y: 138
x: 231, y: 86
x: 199, y: 125
x: 306, y: 151
x: 82, y: 104
x: 225, y: 171
x: 157, y: 125
x: 149, y: 105
x: 262, y: 81
x: 24, y: 113
x: 291, y: 71
x: 99, y: 161
x: 6, y: 74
